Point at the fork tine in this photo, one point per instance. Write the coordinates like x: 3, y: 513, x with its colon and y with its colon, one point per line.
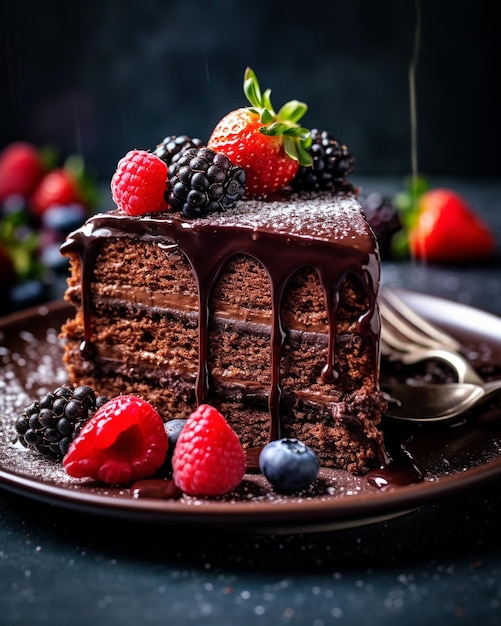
x: 400, y: 333
x: 410, y: 324
x: 395, y: 342
x: 401, y: 340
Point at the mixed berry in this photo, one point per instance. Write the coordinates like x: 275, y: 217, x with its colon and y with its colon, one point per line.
x: 173, y: 146
x: 50, y: 424
x: 332, y: 162
x: 435, y: 225
x: 124, y: 439
x: 208, y: 459
x: 139, y: 183
x: 254, y: 152
x: 289, y: 465
x: 384, y: 218
x: 40, y: 203
x: 202, y: 181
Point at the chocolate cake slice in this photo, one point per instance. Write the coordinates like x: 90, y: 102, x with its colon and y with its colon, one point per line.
x: 267, y: 311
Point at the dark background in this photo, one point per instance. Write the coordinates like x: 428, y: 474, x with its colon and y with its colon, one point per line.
x: 103, y: 76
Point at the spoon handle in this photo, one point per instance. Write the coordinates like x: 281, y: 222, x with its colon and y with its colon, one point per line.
x: 490, y: 388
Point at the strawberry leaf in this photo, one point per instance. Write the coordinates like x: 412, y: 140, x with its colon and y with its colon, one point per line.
x: 251, y: 88
x: 290, y: 147
x: 297, y: 131
x: 292, y: 111
x: 304, y: 156
x: 266, y: 117
x: 406, y: 202
x: 274, y: 130
x: 266, y: 100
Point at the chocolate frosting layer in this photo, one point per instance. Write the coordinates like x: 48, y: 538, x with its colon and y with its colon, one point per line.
x: 320, y: 231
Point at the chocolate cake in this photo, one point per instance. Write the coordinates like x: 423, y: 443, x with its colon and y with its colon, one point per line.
x: 267, y: 311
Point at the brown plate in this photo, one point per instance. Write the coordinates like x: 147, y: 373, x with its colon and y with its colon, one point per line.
x: 452, y: 459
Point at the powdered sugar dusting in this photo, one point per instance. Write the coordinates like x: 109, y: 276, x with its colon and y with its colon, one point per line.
x: 324, y: 216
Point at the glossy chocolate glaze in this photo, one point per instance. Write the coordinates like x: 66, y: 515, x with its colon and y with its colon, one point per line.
x: 322, y: 231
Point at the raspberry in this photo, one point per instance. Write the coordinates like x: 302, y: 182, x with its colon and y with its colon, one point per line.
x: 209, y: 459
x: 125, y: 440
x: 289, y: 465
x: 139, y: 183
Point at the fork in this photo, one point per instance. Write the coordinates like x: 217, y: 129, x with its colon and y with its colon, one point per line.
x: 409, y: 338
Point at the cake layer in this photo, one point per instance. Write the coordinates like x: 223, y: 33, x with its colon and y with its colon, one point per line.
x: 268, y: 312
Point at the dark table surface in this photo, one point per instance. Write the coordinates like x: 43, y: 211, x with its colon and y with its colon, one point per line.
x: 438, y: 564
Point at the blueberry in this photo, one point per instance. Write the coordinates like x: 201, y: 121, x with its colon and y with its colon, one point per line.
x: 173, y: 428
x: 52, y: 258
x: 28, y: 293
x: 63, y: 219
x: 289, y: 465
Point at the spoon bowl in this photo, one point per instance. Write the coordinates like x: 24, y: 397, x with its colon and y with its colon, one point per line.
x: 434, y: 403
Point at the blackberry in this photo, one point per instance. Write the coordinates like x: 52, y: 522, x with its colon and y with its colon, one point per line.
x: 171, y: 148
x: 383, y: 216
x: 50, y: 424
x: 332, y: 162
x: 202, y: 181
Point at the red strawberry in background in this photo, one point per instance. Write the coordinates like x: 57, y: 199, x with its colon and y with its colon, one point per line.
x: 66, y: 185
x: 447, y: 230
x: 58, y: 187
x: 21, y: 167
x: 269, y: 146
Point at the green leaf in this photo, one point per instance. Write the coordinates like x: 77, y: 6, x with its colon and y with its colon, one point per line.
x: 407, y: 204
x: 274, y: 130
x: 400, y: 245
x: 266, y: 116
x: 290, y: 147
x: 266, y: 101
x: 305, y: 158
x: 292, y: 111
x: 297, y: 131
x: 252, y: 90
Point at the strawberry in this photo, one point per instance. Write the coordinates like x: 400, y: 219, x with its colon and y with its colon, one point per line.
x: 447, y: 230
x: 269, y: 146
x: 139, y: 183
x: 21, y: 167
x: 125, y: 440
x: 208, y: 458
x: 58, y: 187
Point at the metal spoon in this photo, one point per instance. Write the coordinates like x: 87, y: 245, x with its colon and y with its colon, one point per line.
x: 433, y: 403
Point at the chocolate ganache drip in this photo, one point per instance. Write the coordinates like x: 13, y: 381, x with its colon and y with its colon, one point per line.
x: 321, y: 232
